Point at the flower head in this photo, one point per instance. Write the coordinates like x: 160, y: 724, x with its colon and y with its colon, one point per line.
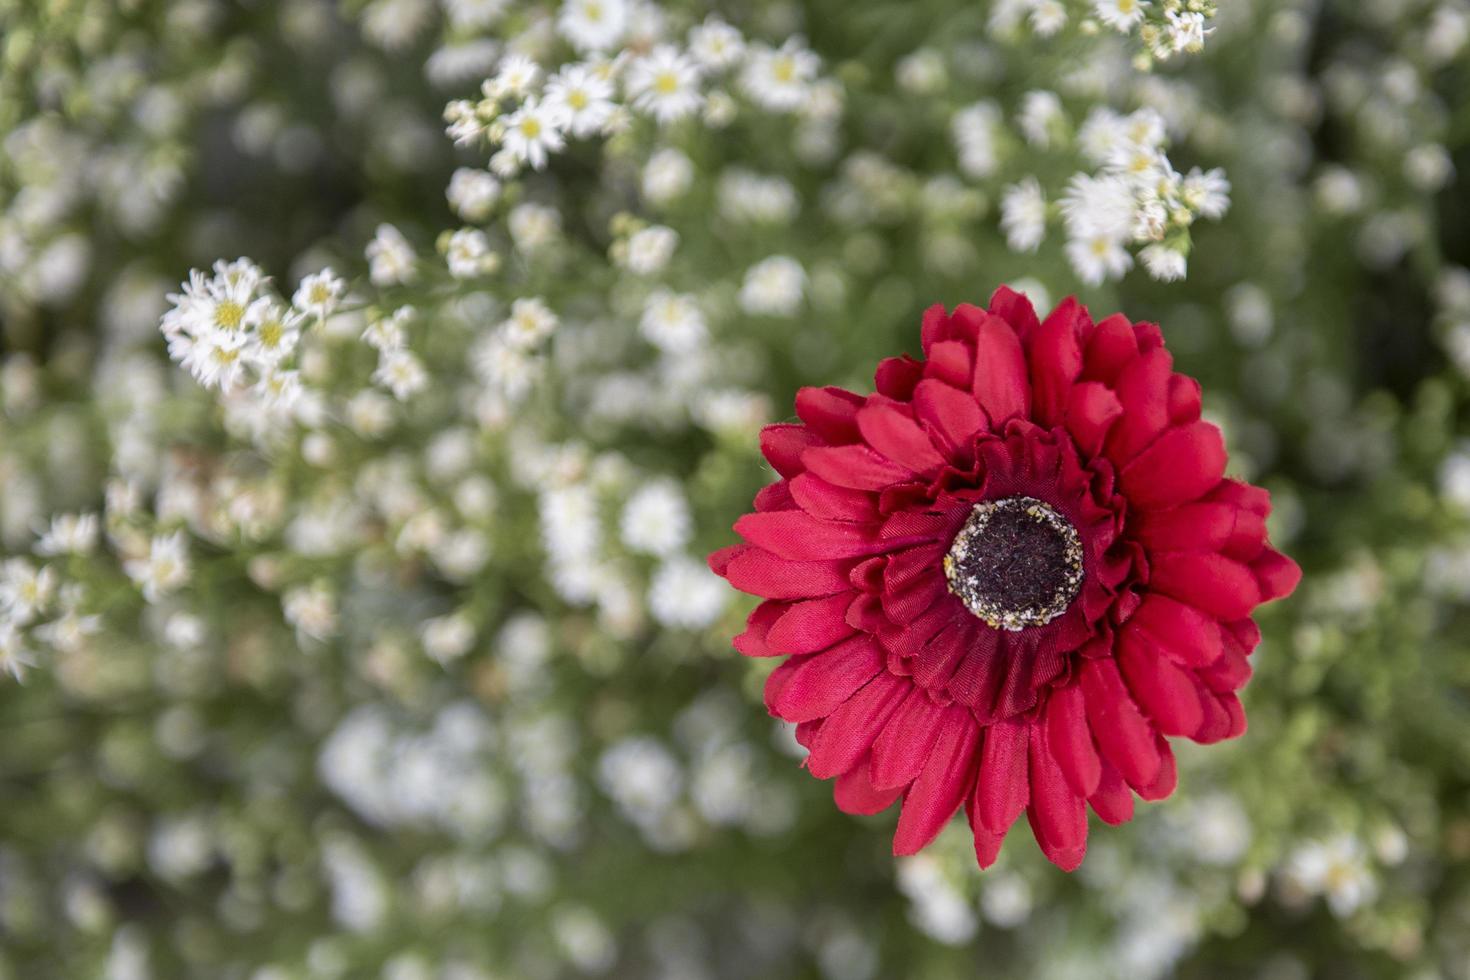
x: 1006, y: 578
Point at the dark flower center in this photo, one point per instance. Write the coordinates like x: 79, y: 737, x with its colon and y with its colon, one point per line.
x: 1016, y: 563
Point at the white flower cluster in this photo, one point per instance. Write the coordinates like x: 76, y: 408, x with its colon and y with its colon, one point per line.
x: 1164, y: 28
x: 1135, y: 198
x: 528, y: 114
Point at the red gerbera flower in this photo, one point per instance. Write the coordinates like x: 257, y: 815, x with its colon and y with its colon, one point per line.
x: 1006, y: 577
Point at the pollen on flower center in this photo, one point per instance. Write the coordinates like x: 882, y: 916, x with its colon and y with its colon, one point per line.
x: 1016, y: 563
x: 228, y: 314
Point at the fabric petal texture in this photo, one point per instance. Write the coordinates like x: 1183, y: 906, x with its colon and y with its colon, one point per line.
x: 1002, y: 582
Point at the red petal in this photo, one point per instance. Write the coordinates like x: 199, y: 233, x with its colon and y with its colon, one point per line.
x: 1142, y: 388
x: 783, y: 444
x: 798, y: 536
x: 898, y: 437
x: 821, y: 682
x: 1111, y: 347
x: 1092, y: 409
x: 942, y: 786
x: 1223, y: 588
x: 830, y: 502
x: 1112, y: 801
x: 1207, y: 526
x: 950, y: 411
x: 1123, y: 735
x: 830, y: 412
x: 848, y: 732
x: 896, y: 376
x: 935, y: 326
x: 775, y: 496
x: 853, y: 793
x: 1184, y: 399
x: 1184, y: 633
x: 761, y: 573
x: 1014, y: 308
x: 1167, y: 778
x: 1181, y: 465
x: 1277, y: 574
x: 1070, y: 739
x: 752, y: 643
x: 900, y: 751
x: 1001, y: 386
x: 949, y: 362
x: 1165, y: 691
x: 1058, y: 816
x: 856, y: 466
x: 1001, y: 789
x: 1055, y: 355
x: 815, y: 624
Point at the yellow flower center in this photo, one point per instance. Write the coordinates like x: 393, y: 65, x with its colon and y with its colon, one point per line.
x: 785, y: 70
x: 530, y: 128
x: 271, y: 333
x: 667, y: 83
x: 228, y: 314
x: 577, y: 99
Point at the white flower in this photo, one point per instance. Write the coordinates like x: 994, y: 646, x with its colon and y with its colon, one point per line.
x: 1098, y: 258
x: 530, y: 322
x: 472, y: 193
x: 773, y: 287
x: 1164, y: 263
x: 312, y: 610
x: 15, y: 658
x: 715, y: 44
x: 650, y: 249
x: 778, y: 79
x: 1041, y: 114
x: 318, y: 293
x: 25, y: 591
x: 69, y: 534
x: 388, y: 332
x: 1121, y: 15
x: 1207, y: 192
x: 1186, y: 31
x: 673, y: 322
x: 584, y: 96
x: 517, y: 75
x: 1338, y: 869
x: 210, y: 303
x: 973, y: 129
x: 533, y: 226
x: 447, y: 638
x: 1023, y: 215
x: 593, y: 25
x: 216, y: 359
x: 390, y: 257
x: 402, y: 373
x: 274, y: 331
x: 1099, y: 207
x: 664, y: 84
x: 685, y: 594
x: 165, y: 569
x: 745, y: 197
x: 474, y: 13
x: 666, y: 176
x: 1048, y: 17
x: 468, y: 254
x: 656, y: 519
x: 533, y: 131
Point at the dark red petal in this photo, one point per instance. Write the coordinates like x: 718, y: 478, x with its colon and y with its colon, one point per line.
x: 950, y: 411
x: 815, y: 624
x: 1058, y: 816
x: 896, y: 377
x: 1014, y: 308
x: 900, y: 751
x: 830, y: 502
x: 1092, y: 408
x: 783, y: 444
x: 1055, y: 355
x: 1209, y: 526
x: 821, y: 682
x: 1001, y: 790
x: 898, y: 437
x: 1112, y: 802
x: 943, y: 783
x: 848, y: 733
x: 1070, y: 739
x: 1229, y: 673
x: 854, y: 794
x: 752, y: 642
x: 797, y: 536
x: 1181, y: 465
x: 761, y: 573
x: 1123, y: 735
x: 1217, y: 585
x: 830, y: 412
x: 1182, y: 632
x: 1002, y: 385
x: 1142, y: 388
x: 1277, y: 574
x: 937, y: 660
x: 855, y: 466
x: 1165, y: 691
x: 1111, y: 347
